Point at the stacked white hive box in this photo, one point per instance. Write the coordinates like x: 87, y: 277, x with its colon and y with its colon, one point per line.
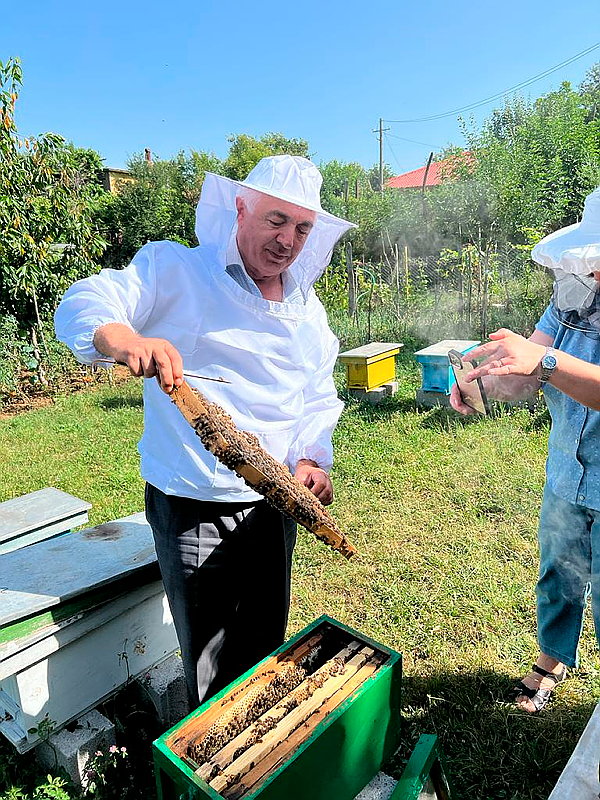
x: 81, y: 614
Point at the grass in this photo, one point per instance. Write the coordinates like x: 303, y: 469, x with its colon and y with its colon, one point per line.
x: 444, y: 512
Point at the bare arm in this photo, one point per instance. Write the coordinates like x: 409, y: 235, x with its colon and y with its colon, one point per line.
x: 509, y: 354
x: 515, y: 385
x: 144, y: 356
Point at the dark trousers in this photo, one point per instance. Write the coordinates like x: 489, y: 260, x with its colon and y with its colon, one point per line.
x: 226, y: 569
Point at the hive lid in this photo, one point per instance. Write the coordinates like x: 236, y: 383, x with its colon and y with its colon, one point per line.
x: 371, y: 350
x: 441, y: 348
x: 52, y: 571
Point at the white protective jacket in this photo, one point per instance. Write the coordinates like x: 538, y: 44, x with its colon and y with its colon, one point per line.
x: 279, y: 358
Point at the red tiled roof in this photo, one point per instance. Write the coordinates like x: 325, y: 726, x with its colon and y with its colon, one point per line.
x: 439, y: 171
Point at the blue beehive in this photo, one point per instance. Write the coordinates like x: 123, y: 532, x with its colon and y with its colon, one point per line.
x: 437, y: 373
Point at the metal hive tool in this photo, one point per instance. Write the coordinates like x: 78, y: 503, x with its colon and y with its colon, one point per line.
x: 242, y: 453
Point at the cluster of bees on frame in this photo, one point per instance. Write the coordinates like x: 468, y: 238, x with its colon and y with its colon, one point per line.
x: 240, y: 739
x: 286, y: 687
x: 236, y: 448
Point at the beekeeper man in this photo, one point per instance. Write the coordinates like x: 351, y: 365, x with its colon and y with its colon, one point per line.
x: 241, y: 306
x: 559, y: 357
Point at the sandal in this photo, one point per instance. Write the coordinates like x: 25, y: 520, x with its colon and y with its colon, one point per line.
x: 540, y: 697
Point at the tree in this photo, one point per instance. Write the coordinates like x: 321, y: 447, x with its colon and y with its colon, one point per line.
x: 49, y: 196
x: 589, y: 90
x: 347, y: 192
x: 158, y: 204
x: 541, y: 165
x: 246, y: 151
x: 373, y: 175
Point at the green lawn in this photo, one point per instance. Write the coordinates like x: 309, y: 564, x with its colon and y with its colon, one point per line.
x: 444, y: 512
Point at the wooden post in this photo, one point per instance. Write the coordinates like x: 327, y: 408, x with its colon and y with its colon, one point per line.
x: 484, y: 294
x: 470, y: 289
x: 380, y: 130
x: 406, y: 273
x: 351, y: 280
x: 423, y: 201
x: 380, y: 155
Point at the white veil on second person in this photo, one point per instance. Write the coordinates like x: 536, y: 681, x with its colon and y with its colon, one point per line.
x: 572, y: 254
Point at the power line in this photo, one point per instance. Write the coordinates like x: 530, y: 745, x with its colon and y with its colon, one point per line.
x: 414, y: 141
x: 395, y: 156
x: 501, y: 94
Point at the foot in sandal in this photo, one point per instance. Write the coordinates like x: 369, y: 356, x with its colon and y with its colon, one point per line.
x: 533, y: 693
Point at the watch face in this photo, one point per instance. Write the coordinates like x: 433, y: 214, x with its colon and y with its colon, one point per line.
x: 549, y: 361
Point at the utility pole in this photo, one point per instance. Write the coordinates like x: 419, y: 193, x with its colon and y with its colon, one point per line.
x: 380, y: 131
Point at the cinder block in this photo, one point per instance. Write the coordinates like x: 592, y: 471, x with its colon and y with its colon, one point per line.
x: 380, y: 788
x: 71, y: 748
x: 431, y: 399
x: 166, y: 688
x: 391, y: 388
x: 373, y: 396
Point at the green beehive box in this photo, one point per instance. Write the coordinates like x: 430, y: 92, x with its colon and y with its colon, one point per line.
x: 339, y: 757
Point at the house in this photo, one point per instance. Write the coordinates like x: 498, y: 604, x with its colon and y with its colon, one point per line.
x: 111, y: 178
x: 437, y: 173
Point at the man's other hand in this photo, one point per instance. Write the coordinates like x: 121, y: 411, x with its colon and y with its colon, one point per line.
x: 144, y: 356
x: 315, y: 479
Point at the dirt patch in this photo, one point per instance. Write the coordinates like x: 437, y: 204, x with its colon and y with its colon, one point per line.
x: 31, y: 397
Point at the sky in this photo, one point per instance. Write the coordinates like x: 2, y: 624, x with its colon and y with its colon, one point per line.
x: 121, y: 76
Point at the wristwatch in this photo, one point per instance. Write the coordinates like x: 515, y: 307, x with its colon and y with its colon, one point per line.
x: 548, y: 364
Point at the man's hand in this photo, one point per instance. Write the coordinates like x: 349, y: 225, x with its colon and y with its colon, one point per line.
x: 507, y: 354
x: 316, y: 479
x: 144, y: 356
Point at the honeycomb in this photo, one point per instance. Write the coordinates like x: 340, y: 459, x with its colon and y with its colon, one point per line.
x: 246, y: 711
x: 242, y: 453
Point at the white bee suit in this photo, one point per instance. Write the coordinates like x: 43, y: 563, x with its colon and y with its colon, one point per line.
x: 278, y: 357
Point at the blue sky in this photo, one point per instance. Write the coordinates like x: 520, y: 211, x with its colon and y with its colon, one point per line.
x: 121, y: 76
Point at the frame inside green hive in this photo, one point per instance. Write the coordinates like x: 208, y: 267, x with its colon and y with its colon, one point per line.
x: 237, y: 745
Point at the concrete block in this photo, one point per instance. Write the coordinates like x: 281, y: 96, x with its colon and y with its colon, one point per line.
x: 391, y: 387
x: 166, y: 688
x: 373, y: 396
x: 380, y: 788
x: 71, y: 747
x: 430, y: 399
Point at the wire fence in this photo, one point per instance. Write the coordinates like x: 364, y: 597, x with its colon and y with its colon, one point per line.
x: 462, y: 294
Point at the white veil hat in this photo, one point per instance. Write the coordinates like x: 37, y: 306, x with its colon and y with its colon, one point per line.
x: 290, y: 178
x: 576, y: 248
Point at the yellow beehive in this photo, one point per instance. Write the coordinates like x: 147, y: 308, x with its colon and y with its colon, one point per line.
x: 371, y: 365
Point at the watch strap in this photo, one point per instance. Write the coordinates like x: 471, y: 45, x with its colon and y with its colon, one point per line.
x: 547, y: 370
